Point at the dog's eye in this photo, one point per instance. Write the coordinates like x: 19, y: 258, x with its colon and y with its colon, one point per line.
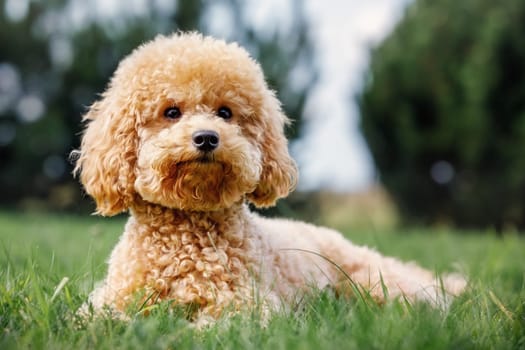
x: 224, y: 112
x: 172, y: 113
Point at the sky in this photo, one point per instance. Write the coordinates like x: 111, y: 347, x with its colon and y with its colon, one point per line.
x: 333, y: 154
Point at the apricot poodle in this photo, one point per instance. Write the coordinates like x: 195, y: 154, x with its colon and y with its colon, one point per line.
x: 185, y: 136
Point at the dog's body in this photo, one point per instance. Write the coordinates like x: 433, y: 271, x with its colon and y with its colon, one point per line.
x: 186, y: 133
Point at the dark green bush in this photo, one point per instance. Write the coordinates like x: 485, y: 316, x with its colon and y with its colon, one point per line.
x: 443, y: 111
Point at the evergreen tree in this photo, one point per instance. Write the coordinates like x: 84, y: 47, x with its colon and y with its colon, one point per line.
x: 443, y: 112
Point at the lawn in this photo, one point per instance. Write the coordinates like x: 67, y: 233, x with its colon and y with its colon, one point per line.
x: 50, y: 263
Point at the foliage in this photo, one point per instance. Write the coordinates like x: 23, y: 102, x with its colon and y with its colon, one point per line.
x: 39, y: 251
x: 58, y: 57
x: 443, y: 111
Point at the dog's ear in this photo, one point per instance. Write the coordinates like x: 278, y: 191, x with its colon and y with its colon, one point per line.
x: 279, y: 172
x: 107, y: 156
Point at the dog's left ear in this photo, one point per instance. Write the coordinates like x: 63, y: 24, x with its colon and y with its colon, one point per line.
x: 279, y: 172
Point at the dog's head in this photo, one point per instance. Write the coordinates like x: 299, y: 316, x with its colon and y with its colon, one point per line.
x: 187, y: 122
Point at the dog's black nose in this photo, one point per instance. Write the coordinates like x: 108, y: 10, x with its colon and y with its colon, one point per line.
x: 205, y: 140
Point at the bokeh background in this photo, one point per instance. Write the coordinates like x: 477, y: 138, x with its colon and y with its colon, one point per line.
x: 405, y: 112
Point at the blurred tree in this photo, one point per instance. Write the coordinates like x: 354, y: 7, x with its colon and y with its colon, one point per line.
x: 56, y: 56
x: 443, y: 111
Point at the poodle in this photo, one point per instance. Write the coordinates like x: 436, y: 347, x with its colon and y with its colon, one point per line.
x: 185, y: 136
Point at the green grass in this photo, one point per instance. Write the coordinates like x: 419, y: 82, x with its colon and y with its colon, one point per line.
x: 37, y: 252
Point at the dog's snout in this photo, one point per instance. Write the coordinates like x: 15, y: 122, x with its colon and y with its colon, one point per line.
x: 205, y: 140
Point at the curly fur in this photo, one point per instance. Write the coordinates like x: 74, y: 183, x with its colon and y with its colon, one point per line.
x: 191, y: 237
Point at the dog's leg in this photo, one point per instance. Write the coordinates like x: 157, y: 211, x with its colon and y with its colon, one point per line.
x: 386, y: 277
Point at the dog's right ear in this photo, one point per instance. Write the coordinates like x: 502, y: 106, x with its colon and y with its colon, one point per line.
x: 107, y: 155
